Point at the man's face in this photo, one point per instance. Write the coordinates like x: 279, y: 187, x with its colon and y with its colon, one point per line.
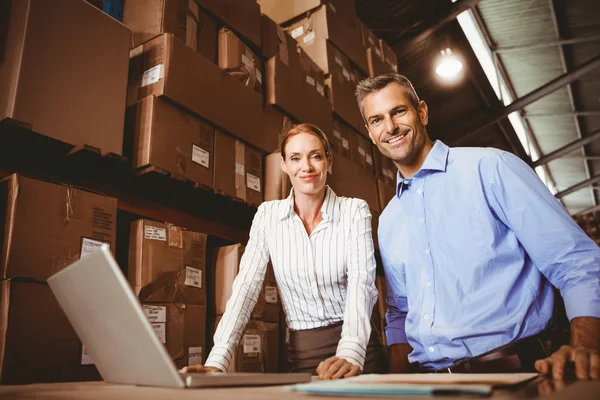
x: 394, y: 125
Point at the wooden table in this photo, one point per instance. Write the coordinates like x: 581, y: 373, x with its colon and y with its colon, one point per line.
x: 539, y: 388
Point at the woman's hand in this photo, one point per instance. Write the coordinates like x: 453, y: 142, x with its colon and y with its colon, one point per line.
x: 198, y: 368
x: 336, y: 368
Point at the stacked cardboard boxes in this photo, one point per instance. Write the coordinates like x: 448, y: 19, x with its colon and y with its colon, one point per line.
x: 44, y: 227
x: 167, y: 271
x: 386, y: 178
x: 258, y: 350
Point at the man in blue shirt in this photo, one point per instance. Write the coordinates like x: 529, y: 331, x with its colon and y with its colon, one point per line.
x: 471, y: 245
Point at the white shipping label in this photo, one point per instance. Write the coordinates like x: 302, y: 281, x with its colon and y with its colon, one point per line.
x: 310, y: 80
x: 247, y: 62
x: 337, y: 134
x: 155, y: 313
x: 194, y: 355
x: 361, y: 151
x: 258, y: 75
x: 271, y: 294
x: 339, y: 61
x: 346, y: 73
x: 309, y: 37
x: 86, y: 359
x: 160, y: 328
x: 155, y: 233
x: 251, y: 344
x: 369, y: 159
x: 193, y: 277
x: 345, y: 143
x: 239, y: 169
x: 320, y: 89
x: 372, y: 41
x: 253, y: 182
x: 153, y: 75
x: 89, y: 246
x: 200, y: 156
x: 378, y: 52
x: 299, y: 31
x: 332, y: 7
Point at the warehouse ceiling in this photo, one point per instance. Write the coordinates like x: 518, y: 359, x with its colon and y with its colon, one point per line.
x: 531, y: 42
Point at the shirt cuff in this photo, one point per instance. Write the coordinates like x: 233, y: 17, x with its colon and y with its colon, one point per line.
x: 582, y: 302
x: 219, y: 357
x: 351, y: 352
x: 395, y: 335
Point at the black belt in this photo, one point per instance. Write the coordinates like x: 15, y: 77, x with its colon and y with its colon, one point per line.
x: 519, y: 356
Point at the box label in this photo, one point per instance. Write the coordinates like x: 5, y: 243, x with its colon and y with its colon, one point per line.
x: 310, y: 80
x: 160, y: 328
x: 253, y: 182
x: 248, y: 62
x: 320, y: 89
x: 258, y: 75
x: 339, y: 61
x: 200, y: 156
x: 175, y: 236
x: 153, y: 75
x: 337, y: 134
x: 251, y: 344
x: 299, y: 31
x: 369, y: 159
x: 309, y: 37
x: 361, y: 151
x: 345, y: 143
x: 346, y: 73
x: 271, y: 294
x: 332, y: 7
x: 378, y: 52
x: 86, y: 359
x: 155, y: 313
x: 239, y: 169
x: 155, y: 233
x: 89, y: 246
x: 194, y: 355
x: 193, y: 277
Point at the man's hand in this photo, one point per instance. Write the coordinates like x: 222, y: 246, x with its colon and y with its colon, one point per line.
x: 585, y: 360
x: 398, y: 354
x: 198, y: 368
x: 336, y: 368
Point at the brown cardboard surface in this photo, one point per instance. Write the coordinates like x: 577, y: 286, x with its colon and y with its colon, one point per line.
x: 389, y: 55
x: 167, y: 263
x: 277, y: 182
x: 226, y: 263
x: 283, y: 11
x: 342, y: 29
x: 171, y: 138
x: 239, y: 60
x: 243, y: 16
x: 165, y: 66
x: 375, y: 227
x: 376, y: 65
x: 340, y: 138
x: 182, y: 331
x: 277, y: 124
x: 361, y: 150
x: 64, y: 71
x: 46, y: 226
x: 386, y: 191
x: 350, y: 180
x: 369, y: 39
x: 277, y: 42
x: 238, y: 169
x: 148, y: 19
x: 290, y: 92
x: 37, y: 342
x: 313, y: 73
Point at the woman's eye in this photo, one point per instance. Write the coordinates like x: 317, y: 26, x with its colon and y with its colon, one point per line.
x: 317, y: 157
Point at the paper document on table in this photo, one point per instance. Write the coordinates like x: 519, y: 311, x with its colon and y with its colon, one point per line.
x: 445, y: 379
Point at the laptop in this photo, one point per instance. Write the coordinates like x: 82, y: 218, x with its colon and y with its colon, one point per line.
x: 109, y: 320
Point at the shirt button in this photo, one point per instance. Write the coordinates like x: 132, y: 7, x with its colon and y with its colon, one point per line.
x: 426, y: 316
x: 426, y: 251
x: 420, y: 191
x: 428, y: 284
x: 421, y: 219
x: 431, y: 350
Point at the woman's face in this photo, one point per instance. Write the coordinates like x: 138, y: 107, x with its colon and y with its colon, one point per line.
x: 305, y: 163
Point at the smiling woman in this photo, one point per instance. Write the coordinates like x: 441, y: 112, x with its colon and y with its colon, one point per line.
x: 322, y: 253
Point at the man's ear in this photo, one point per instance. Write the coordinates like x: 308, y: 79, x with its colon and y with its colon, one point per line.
x: 423, y: 113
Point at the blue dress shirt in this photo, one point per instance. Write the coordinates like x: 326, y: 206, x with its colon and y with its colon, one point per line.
x: 471, y: 247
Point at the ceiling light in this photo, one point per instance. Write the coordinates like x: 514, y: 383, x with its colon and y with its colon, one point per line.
x: 449, y: 66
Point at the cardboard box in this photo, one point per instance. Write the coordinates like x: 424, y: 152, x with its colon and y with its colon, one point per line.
x: 168, y: 137
x: 226, y: 261
x: 243, y: 16
x: 350, y: 180
x: 290, y: 92
x: 361, y: 150
x: 277, y: 182
x: 44, y: 227
x: 284, y: 11
x: 386, y: 192
x: 239, y: 60
x: 258, y: 349
x: 340, y: 139
x: 63, y: 70
x: 165, y: 66
x: 369, y: 40
x: 181, y: 328
x: 167, y: 264
x: 238, y: 169
x: 183, y: 18
x: 342, y: 29
x: 276, y: 42
x: 277, y: 124
x: 389, y: 55
x: 37, y: 342
x: 313, y: 73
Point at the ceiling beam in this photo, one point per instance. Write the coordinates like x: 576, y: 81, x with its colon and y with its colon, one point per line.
x: 454, y: 11
x: 563, y: 114
x: 543, y: 45
x: 588, y: 210
x: 563, y: 151
x: 532, y: 97
x: 578, y: 186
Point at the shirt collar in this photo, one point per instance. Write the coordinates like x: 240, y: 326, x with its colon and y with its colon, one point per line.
x: 436, y: 160
x: 329, y: 209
